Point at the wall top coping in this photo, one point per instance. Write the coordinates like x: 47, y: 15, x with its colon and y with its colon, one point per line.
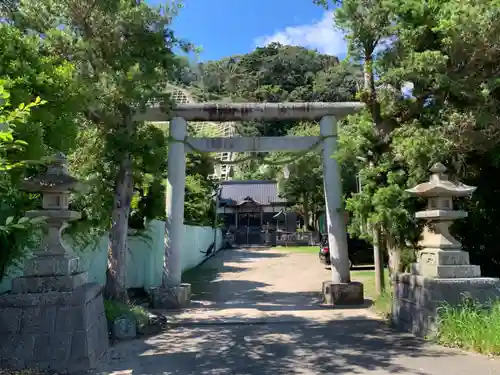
x: 251, y: 111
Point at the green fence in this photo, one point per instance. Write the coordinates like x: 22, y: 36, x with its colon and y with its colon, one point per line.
x: 145, y: 256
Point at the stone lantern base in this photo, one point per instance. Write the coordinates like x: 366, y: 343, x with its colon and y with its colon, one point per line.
x: 62, y: 331
x: 417, y: 298
x: 445, y: 264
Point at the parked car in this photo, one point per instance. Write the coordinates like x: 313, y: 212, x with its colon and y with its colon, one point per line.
x: 360, y: 251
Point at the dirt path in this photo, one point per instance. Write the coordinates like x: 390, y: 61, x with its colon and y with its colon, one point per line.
x: 259, y: 284
x: 256, y: 311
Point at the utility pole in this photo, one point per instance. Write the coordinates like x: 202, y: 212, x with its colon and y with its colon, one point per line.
x: 378, y: 258
x: 379, y: 262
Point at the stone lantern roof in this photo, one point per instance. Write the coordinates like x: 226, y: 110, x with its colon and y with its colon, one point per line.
x: 439, y: 185
x: 55, y: 180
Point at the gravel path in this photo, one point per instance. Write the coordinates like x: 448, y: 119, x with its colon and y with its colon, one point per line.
x: 256, y: 311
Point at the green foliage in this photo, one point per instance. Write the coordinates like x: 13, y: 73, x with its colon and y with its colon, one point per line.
x: 9, y: 146
x: 272, y: 74
x: 30, y: 69
x: 470, y: 326
x: 304, y: 185
x: 115, y: 310
x: 17, y: 234
x: 444, y: 51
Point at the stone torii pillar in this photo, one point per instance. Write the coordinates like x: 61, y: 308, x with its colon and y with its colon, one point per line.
x: 173, y: 293
x: 335, y: 222
x: 176, y: 185
x: 339, y: 290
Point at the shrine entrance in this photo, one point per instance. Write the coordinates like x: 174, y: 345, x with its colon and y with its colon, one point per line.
x: 248, y: 230
x: 326, y: 113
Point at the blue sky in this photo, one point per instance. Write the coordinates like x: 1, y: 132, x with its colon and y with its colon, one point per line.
x: 227, y: 27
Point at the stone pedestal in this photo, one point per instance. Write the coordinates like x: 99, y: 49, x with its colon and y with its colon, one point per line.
x: 417, y: 299
x: 171, y: 297
x: 65, y: 332
x: 336, y: 294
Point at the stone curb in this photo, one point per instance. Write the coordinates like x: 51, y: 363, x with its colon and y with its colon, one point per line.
x: 186, y: 323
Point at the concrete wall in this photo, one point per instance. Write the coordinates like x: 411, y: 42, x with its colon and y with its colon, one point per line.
x: 416, y: 299
x: 145, y: 257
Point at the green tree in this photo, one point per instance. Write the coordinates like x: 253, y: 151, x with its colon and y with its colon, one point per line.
x: 123, y: 50
x: 304, y: 185
x: 29, y: 70
x: 443, y: 50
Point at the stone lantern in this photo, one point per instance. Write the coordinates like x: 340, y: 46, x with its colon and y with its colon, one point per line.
x: 443, y: 273
x: 441, y: 255
x: 53, y: 267
x: 53, y: 318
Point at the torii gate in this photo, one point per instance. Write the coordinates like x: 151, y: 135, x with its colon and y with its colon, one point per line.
x: 173, y: 293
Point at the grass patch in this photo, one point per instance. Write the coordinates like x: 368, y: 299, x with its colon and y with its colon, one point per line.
x: 298, y: 249
x: 470, y: 326
x: 383, y: 303
x: 199, y: 277
x: 114, y: 310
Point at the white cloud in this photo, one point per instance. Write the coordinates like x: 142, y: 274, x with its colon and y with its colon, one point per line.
x: 321, y: 35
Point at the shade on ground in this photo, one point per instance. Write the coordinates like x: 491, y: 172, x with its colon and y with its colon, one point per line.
x: 256, y: 312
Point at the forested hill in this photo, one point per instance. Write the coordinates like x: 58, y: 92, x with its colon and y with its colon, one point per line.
x: 274, y: 73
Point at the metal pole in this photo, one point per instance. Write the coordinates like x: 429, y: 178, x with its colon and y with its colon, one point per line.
x: 217, y: 196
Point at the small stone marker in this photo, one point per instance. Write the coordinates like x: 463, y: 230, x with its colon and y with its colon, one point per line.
x: 124, y: 327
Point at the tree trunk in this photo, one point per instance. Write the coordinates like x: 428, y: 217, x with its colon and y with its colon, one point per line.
x: 116, y: 275
x: 384, y: 127
x: 305, y: 205
x: 314, y: 218
x: 394, y: 256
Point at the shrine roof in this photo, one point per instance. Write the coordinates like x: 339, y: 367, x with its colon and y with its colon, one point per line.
x: 263, y: 192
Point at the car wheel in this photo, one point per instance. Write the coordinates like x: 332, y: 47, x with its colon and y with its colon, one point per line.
x: 350, y: 264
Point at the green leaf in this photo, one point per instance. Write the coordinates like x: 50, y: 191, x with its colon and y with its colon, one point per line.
x: 23, y: 220
x: 38, y: 219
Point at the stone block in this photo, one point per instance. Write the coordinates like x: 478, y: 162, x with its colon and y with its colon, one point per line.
x: 443, y: 257
x: 417, y: 298
x: 16, y: 350
x: 72, y: 318
x: 450, y: 271
x: 10, y: 320
x: 43, y: 284
x: 343, y: 294
x: 63, y: 331
x: 171, y: 297
x: 54, y: 265
x: 51, y: 347
x: 39, y: 319
x: 124, y: 327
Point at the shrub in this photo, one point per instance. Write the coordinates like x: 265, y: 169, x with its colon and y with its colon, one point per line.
x: 114, y: 310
